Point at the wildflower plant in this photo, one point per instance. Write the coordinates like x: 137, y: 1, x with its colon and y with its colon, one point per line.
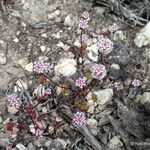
x: 68, y: 82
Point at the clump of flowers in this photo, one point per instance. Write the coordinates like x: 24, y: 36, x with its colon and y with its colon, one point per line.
x: 113, y: 28
x: 79, y: 119
x: 41, y: 67
x: 13, y: 101
x: 80, y: 82
x: 83, y: 23
x: 85, y: 15
x: 98, y: 71
x: 47, y: 92
x: 36, y: 130
x: 105, y: 46
x: 136, y: 82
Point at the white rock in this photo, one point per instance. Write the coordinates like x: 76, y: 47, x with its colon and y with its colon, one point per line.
x: 143, y: 38
x: 39, y: 91
x: 21, y: 146
x: 52, y: 16
x: 77, y: 43
x: 51, y: 129
x: 12, y: 110
x: 44, y: 35
x: 3, y: 59
x: 115, y: 66
x: 66, y: 67
x: 93, y: 52
x: 119, y: 35
x: 104, y: 97
x: 62, y: 142
x: 69, y: 21
x: 48, y: 143
x: 93, y: 125
x: 16, y: 40
x: 61, y: 45
x: 31, y: 146
x: 20, y: 85
x: 147, y: 53
x: 1, y: 119
x: 57, y: 12
x: 29, y: 67
x: 22, y: 62
x: 115, y: 143
x: 146, y: 97
x: 43, y: 48
x: 42, y: 58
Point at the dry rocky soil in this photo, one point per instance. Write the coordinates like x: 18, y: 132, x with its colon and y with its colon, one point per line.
x: 33, y: 30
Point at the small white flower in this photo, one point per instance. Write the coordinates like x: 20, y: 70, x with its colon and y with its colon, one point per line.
x: 114, y: 27
x: 80, y: 82
x: 136, y: 82
x: 13, y: 101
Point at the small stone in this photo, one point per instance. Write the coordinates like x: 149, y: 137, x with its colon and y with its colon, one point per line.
x: 119, y: 54
x: 69, y: 21
x: 44, y: 35
x: 58, y: 19
x: 20, y: 85
x: 4, y: 140
x: 61, y: 45
x: 115, y: 143
x: 146, y: 98
x: 12, y: 110
x: 115, y: 71
x: 29, y: 67
x: 39, y: 142
x: 104, y: 97
x: 21, y: 146
x: 119, y: 35
x: 31, y: 146
x: 143, y: 37
x: 52, y: 16
x: 42, y: 58
x: 93, y: 52
x: 1, y: 119
x: 48, y: 143
x: 66, y: 67
x: 93, y: 125
x: 99, y: 10
x: 23, y: 24
x: 62, y: 142
x: 51, y: 129
x: 57, y: 12
x: 3, y: 59
x: 22, y: 62
x: 43, y: 48
x: 16, y: 40
x: 147, y: 50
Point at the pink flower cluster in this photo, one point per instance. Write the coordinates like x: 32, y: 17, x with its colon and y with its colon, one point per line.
x: 136, y: 82
x: 83, y: 24
x: 41, y: 67
x: 36, y: 131
x: 48, y: 92
x: 85, y: 15
x: 114, y: 27
x: 13, y: 101
x: 80, y: 82
x: 79, y: 119
x: 98, y: 71
x: 105, y: 45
